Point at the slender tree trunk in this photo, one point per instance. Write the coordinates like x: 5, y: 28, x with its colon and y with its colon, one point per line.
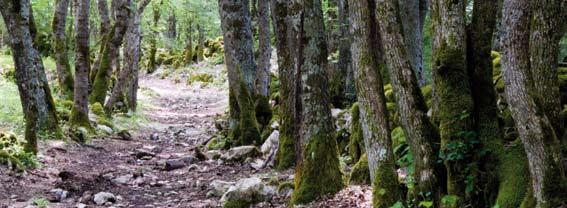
x: 80, y: 111
x: 153, y: 38
x: 112, y: 45
x: 64, y: 75
x: 104, y: 31
x: 239, y: 58
x: 535, y: 129
x: 419, y: 130
x: 285, y: 34
x: 35, y: 95
x: 172, y: 27
x: 345, y: 59
x: 265, y: 48
x: 412, y: 16
x: 201, y: 41
x: 373, y: 111
x: 318, y: 173
x: 132, y: 48
x: 189, y: 47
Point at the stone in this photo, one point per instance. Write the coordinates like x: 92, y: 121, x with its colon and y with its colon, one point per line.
x: 271, y: 144
x: 81, y: 205
x: 218, y: 187
x: 189, y: 160
x: 143, y: 154
x: 275, y: 125
x: 239, y: 154
x: 58, y: 195
x: 104, y: 197
x: 213, y: 154
x: 104, y: 129
x: 154, y: 137
x: 124, y: 179
x: 174, y: 165
x: 125, y: 135
x: 247, y: 191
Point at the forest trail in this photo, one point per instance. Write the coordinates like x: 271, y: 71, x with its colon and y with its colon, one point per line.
x: 180, y: 118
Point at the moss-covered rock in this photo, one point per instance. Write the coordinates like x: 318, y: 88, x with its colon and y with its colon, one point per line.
x: 360, y: 173
x: 356, y: 140
x: 200, y: 77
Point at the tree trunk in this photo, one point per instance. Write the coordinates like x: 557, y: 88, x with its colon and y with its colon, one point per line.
x: 80, y: 112
x: 239, y: 58
x: 64, y: 75
x: 172, y: 27
x: 132, y: 55
x: 318, y: 173
x: 201, y: 42
x: 104, y: 31
x: 263, y: 110
x: 35, y: 95
x: 546, y: 33
x: 419, y: 130
x: 537, y: 133
x: 111, y: 46
x: 153, y: 38
x: 454, y: 94
x: 345, y: 60
x: 188, y: 54
x: 373, y: 111
x: 285, y: 34
x: 412, y: 16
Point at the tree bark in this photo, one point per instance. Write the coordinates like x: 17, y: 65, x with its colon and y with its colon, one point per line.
x: 132, y: 55
x: 345, y: 59
x: 285, y: 34
x: 35, y: 95
x: 265, y: 48
x: 111, y: 47
x: 153, y: 38
x: 318, y: 173
x: 239, y: 59
x: 80, y: 112
x: 64, y: 75
x: 172, y: 27
x: 419, y: 130
x: 373, y: 112
x: 104, y: 31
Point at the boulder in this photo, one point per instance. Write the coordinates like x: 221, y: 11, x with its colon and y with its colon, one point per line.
x: 124, y: 179
x: 57, y: 195
x: 174, y: 165
x: 104, y: 129
x: 239, y: 154
x: 218, y: 187
x: 246, y: 192
x: 104, y: 197
x: 271, y: 144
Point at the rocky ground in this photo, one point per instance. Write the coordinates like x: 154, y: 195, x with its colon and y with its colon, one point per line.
x: 161, y: 164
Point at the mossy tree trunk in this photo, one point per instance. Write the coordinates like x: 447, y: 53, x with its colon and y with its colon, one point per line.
x: 104, y: 31
x: 239, y: 59
x: 419, y: 130
x: 318, y: 173
x: 412, y: 17
x: 263, y: 111
x: 285, y: 32
x: 80, y: 112
x: 188, y: 54
x: 345, y: 60
x: 152, y: 65
x: 171, y: 27
x: 373, y: 112
x: 111, y: 47
x: 64, y: 75
x: 35, y: 95
x: 453, y: 91
x: 534, y: 127
x: 132, y: 55
x: 479, y: 66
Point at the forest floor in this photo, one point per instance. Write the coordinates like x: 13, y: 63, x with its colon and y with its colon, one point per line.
x: 180, y: 117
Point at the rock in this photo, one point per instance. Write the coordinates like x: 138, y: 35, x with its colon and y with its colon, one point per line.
x: 154, y: 137
x: 143, y: 154
x: 246, y: 192
x: 275, y: 125
x: 104, y: 129
x: 81, y: 205
x: 125, y: 135
x: 189, y: 160
x: 272, y: 143
x: 104, y: 197
x: 122, y: 179
x: 213, y: 154
x: 57, y: 195
x: 239, y: 154
x: 218, y: 187
x: 199, y: 155
x: 193, y: 167
x: 174, y: 165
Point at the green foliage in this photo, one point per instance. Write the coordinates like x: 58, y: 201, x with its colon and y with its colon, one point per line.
x: 12, y: 152
x: 204, y: 78
x: 11, y: 117
x: 40, y: 202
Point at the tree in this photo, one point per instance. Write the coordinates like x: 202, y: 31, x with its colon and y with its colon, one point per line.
x: 368, y: 58
x: 132, y: 54
x: 318, y: 173
x: 419, y: 130
x: 153, y: 37
x: 263, y: 111
x: 35, y: 95
x: 80, y: 111
x: 111, y: 46
x: 239, y: 59
x: 412, y: 18
x: 104, y: 31
x: 534, y: 127
x: 285, y: 32
x: 64, y: 75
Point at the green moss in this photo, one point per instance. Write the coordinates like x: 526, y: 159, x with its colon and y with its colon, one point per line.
x: 319, y: 174
x: 79, y: 119
x: 200, y: 77
x: 286, y: 185
x: 263, y: 111
x: 427, y: 92
x: 356, y: 140
x: 514, y: 177
x: 102, y: 79
x: 236, y: 204
x: 360, y: 173
x: 494, y: 54
x: 97, y: 109
x: 389, y: 93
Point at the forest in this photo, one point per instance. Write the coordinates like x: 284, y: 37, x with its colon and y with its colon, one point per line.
x: 283, y: 103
